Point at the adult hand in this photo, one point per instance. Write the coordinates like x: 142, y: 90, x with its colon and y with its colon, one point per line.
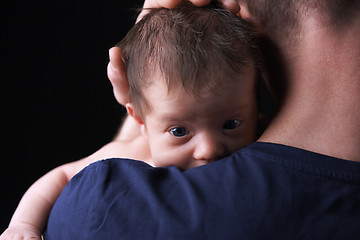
x: 116, y: 67
x: 231, y: 5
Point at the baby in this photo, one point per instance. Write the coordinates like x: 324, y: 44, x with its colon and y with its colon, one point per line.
x: 192, y: 90
x: 192, y: 82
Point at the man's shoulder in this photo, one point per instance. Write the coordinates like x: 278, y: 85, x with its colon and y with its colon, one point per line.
x: 299, y: 161
x: 260, y: 190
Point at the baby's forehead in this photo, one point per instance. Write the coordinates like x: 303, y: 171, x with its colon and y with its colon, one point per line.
x: 239, y: 88
x: 180, y: 106
x: 204, y: 83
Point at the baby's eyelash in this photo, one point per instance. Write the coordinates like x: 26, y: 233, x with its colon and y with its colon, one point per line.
x: 232, y: 124
x: 178, y: 131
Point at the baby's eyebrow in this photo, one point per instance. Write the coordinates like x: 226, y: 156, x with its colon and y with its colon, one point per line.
x: 176, y: 117
x: 169, y: 118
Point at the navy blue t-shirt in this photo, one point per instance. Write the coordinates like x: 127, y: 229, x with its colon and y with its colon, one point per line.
x: 264, y: 191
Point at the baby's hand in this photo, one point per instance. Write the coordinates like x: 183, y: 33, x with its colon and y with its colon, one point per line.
x: 21, y: 232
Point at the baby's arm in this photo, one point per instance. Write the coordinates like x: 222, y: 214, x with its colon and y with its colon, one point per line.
x: 31, y: 215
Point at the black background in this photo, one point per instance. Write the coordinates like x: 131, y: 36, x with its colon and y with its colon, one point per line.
x: 57, y: 104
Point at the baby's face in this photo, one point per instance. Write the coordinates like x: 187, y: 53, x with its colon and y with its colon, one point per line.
x: 188, y: 132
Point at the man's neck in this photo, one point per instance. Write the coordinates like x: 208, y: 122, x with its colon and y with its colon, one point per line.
x: 321, y: 110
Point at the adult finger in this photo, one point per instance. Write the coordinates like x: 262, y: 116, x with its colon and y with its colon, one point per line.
x: 168, y: 4
x: 232, y: 5
x: 172, y: 3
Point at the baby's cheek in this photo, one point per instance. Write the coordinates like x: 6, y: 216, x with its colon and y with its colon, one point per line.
x: 171, y: 158
x: 158, y: 159
x: 163, y: 158
x: 239, y: 143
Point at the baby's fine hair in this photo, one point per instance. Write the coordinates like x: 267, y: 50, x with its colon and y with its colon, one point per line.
x: 188, y: 46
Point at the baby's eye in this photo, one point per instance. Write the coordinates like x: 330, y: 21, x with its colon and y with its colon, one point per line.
x: 178, y: 131
x: 232, y: 124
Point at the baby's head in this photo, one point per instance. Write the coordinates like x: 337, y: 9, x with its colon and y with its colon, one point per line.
x: 192, y: 77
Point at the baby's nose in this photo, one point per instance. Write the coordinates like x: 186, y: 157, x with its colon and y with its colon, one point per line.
x: 209, y: 148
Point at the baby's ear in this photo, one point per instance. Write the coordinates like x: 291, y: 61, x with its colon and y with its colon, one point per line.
x: 116, y: 71
x: 132, y: 112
